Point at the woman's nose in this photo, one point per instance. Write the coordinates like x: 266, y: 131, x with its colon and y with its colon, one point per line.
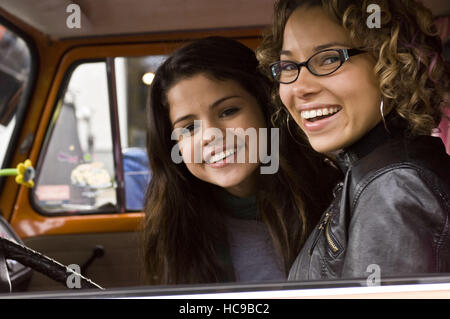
x: 306, y: 84
x: 211, y: 131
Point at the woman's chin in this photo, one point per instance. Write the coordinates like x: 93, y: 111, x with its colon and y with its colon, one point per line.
x: 227, y: 181
x: 323, y: 147
x: 325, y: 144
x: 238, y: 178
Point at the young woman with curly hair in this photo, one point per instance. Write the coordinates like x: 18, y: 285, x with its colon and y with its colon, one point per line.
x: 370, y: 94
x: 219, y: 219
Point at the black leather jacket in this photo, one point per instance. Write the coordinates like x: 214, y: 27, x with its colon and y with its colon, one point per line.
x: 392, y: 210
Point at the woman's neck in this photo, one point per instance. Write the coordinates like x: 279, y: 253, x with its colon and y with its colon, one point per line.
x: 246, y: 188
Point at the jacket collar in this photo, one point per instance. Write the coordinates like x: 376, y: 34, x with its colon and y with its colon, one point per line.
x: 379, y: 135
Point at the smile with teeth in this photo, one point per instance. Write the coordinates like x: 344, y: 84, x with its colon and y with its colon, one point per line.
x: 313, y: 114
x: 220, y: 156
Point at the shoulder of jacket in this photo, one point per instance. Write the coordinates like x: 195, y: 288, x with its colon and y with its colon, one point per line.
x: 424, y: 153
x: 397, y: 156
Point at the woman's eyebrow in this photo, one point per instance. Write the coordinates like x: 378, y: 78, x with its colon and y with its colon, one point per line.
x: 221, y: 100
x: 329, y: 45
x: 318, y: 48
x: 185, y: 117
x: 213, y: 105
x: 285, y: 52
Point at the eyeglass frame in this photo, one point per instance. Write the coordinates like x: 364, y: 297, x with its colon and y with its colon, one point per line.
x: 344, y: 55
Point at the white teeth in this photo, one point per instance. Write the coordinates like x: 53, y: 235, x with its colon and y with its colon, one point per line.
x: 220, y: 156
x: 319, y: 112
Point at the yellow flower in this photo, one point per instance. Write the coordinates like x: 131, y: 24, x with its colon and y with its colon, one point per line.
x: 25, y: 174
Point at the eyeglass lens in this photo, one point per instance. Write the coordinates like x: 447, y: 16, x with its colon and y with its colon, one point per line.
x: 322, y: 63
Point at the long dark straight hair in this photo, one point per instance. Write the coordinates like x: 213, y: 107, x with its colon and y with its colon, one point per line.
x: 184, y: 229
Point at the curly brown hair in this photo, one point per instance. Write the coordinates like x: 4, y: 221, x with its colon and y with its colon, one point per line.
x: 413, y: 76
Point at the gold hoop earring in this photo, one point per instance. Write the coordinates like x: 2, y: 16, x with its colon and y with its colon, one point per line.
x: 289, y: 130
x: 382, y: 114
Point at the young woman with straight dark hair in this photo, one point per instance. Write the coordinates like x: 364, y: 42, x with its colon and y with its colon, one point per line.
x: 217, y: 220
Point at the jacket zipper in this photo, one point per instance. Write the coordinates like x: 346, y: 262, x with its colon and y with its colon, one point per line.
x: 330, y: 241
x: 322, y: 224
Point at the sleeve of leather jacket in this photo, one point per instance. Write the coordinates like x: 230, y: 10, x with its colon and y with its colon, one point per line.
x: 398, y: 223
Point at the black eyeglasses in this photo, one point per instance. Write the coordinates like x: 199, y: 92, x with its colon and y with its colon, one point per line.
x: 321, y: 63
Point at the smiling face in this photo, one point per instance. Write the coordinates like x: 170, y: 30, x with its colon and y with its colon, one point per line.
x: 218, y: 105
x: 334, y: 110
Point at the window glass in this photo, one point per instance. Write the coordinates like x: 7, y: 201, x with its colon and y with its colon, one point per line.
x: 76, y: 171
x: 134, y: 75
x: 15, y: 66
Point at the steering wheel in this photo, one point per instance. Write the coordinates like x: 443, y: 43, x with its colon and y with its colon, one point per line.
x: 13, y: 249
x: 18, y: 260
